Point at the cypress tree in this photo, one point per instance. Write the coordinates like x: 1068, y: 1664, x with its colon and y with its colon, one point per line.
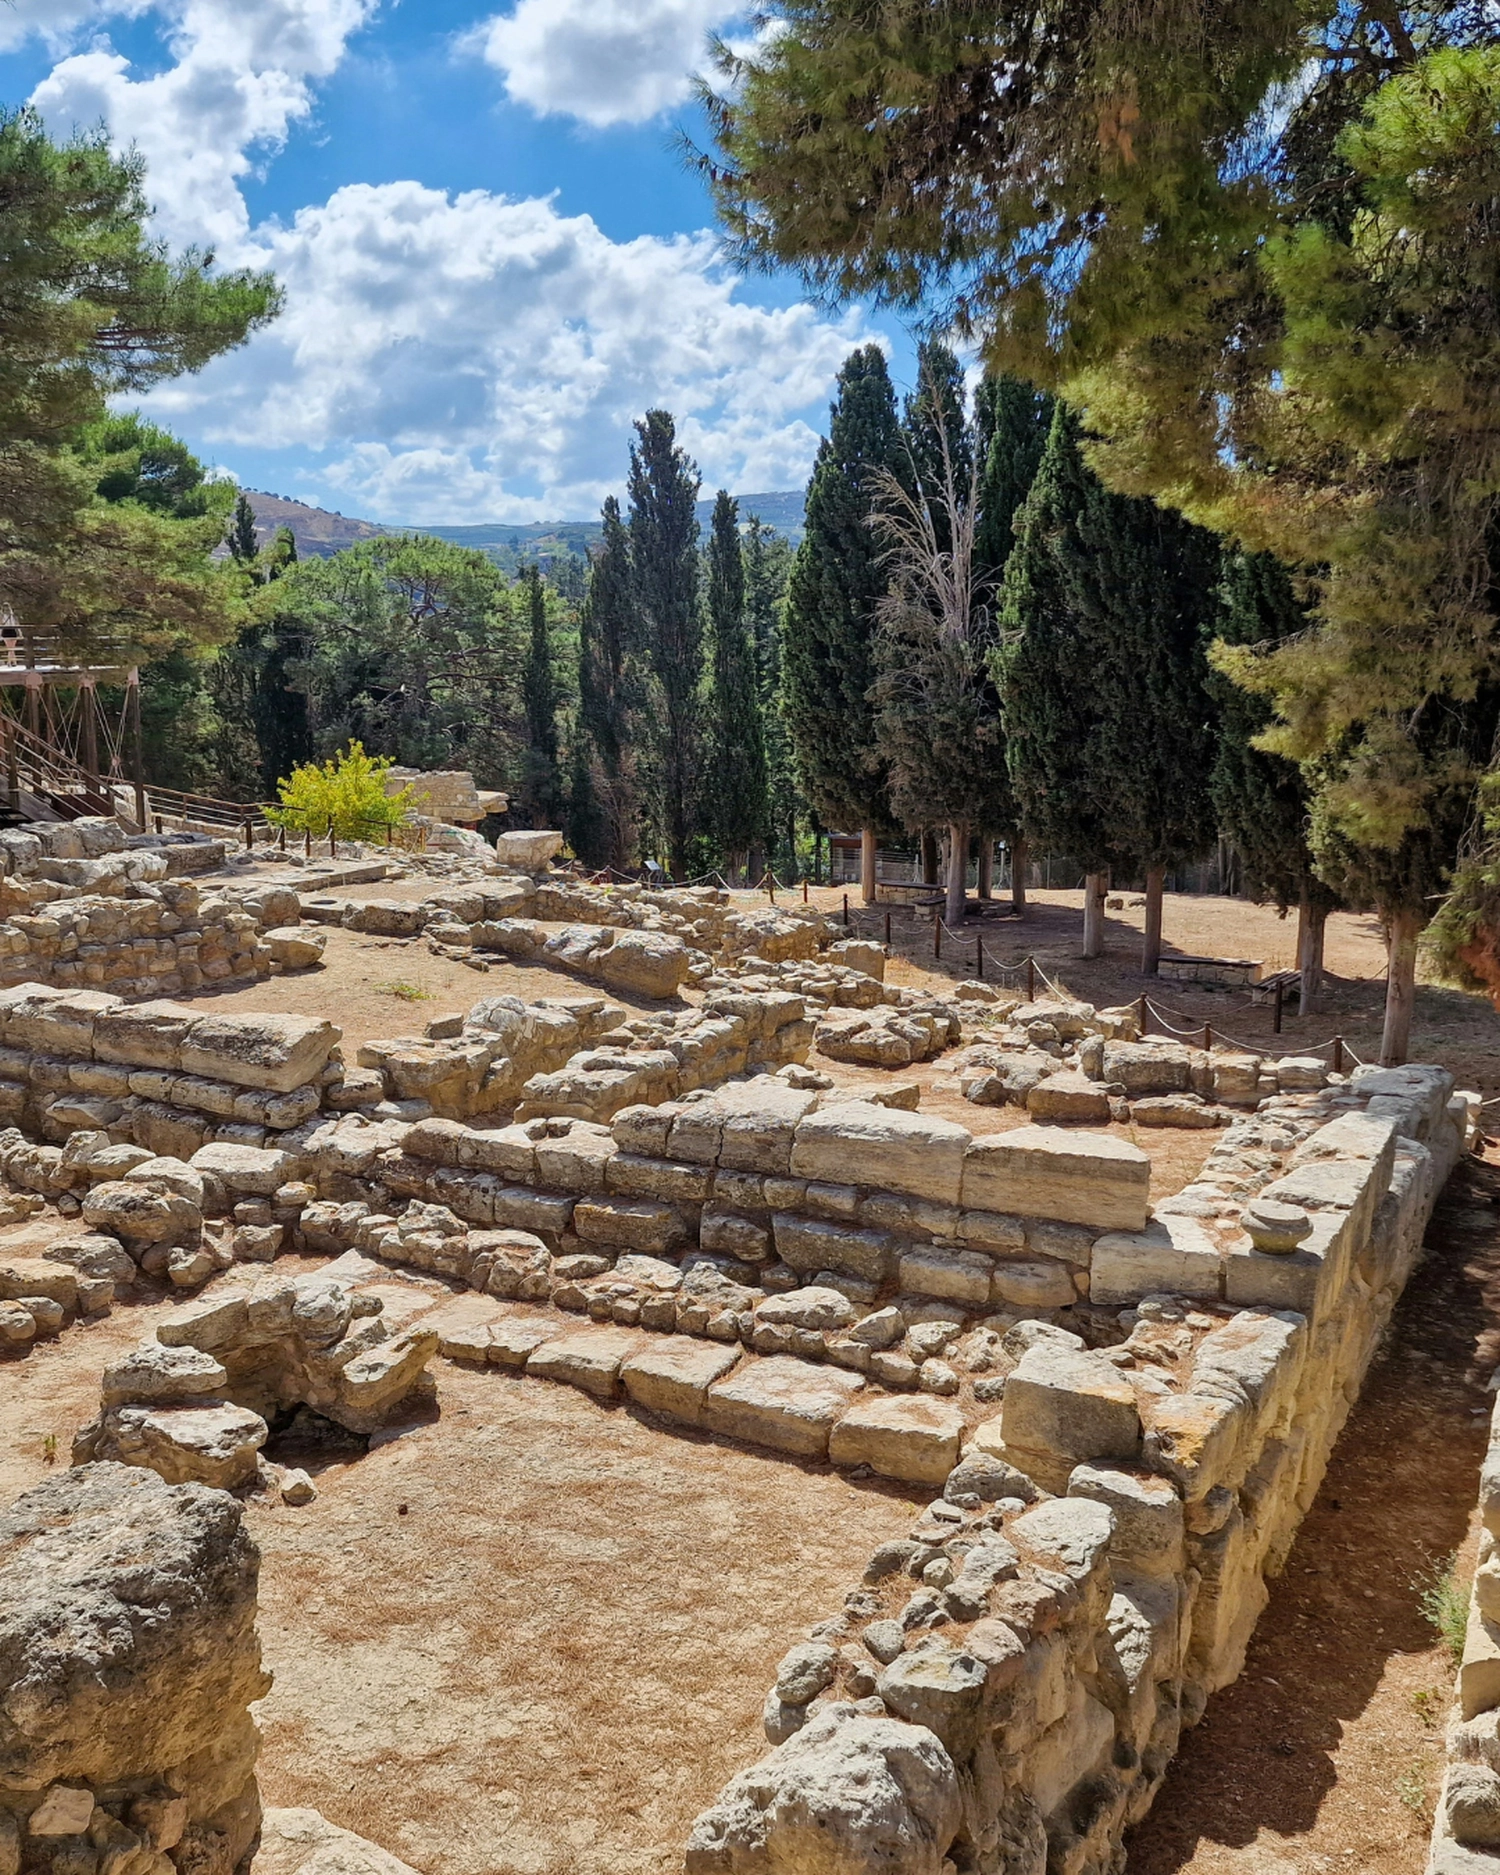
x: 938, y: 710
x: 1261, y: 801
x: 540, y: 785
x: 609, y: 686
x: 1108, y: 732
x: 737, y: 804
x: 240, y: 538
x: 768, y: 562
x: 664, y: 576
x: 828, y: 655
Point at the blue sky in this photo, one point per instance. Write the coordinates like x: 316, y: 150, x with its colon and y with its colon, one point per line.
x: 493, y: 255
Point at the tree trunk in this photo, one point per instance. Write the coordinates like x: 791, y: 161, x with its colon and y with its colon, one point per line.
x: 755, y: 865
x: 1020, y: 862
x: 1156, y: 877
x: 1400, y: 987
x: 929, y: 858
x: 958, y: 872
x: 1094, y: 886
x: 986, y: 867
x: 1312, y: 923
x: 867, y: 865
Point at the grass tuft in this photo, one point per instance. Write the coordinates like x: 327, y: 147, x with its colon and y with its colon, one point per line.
x: 1443, y: 1598
x: 404, y: 992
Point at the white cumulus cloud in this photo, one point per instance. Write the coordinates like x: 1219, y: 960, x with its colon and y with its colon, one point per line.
x: 604, y: 61
x: 242, y: 74
x: 450, y: 356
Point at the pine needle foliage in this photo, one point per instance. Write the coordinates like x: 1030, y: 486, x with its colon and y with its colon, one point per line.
x: 736, y: 792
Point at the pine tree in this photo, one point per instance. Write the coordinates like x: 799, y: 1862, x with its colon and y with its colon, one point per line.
x: 1261, y: 801
x: 541, y: 791
x: 1107, y: 718
x: 737, y: 804
x: 609, y: 686
x: 664, y: 578
x: 828, y: 651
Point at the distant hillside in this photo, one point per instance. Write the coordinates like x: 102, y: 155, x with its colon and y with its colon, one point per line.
x: 320, y: 533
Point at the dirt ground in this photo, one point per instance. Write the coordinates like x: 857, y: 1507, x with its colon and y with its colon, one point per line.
x: 530, y: 1636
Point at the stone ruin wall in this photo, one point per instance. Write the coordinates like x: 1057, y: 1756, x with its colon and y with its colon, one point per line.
x: 1126, y: 1410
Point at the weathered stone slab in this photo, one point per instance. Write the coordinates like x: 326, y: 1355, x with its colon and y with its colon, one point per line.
x: 143, y: 1035
x: 673, y: 1377
x: 1044, y: 1171
x: 916, y: 1439
x: 1172, y: 1256
x: 589, y: 1358
x: 883, y: 1149
x: 1062, y: 1406
x: 782, y: 1402
x: 515, y: 1338
x: 277, y: 1052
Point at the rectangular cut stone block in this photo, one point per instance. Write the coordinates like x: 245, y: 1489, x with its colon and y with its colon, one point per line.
x: 915, y: 1440
x: 508, y: 1151
x: 632, y: 1225
x: 955, y: 1275
x: 761, y: 1117
x: 52, y: 1022
x: 1353, y: 1186
x: 515, y: 1338
x: 1479, y: 1670
x: 272, y: 1051
x: 806, y: 1245
x: 1062, y: 1406
x: 547, y: 1213
x: 629, y: 1175
x: 33, y: 1276
x: 1307, y: 1279
x: 252, y: 1170
x: 884, y: 1149
x: 143, y: 1035
x: 1171, y: 1256
x: 782, y: 1402
x: 576, y: 1163
x: 589, y: 1358
x: 1046, y: 1171
x: 673, y: 1378
x: 463, y: 1327
x: 1196, y: 1440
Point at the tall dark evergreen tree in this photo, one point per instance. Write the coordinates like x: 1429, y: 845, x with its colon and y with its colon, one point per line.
x: 609, y: 687
x: 736, y: 775
x: 240, y: 539
x: 664, y: 576
x: 541, y: 789
x: 938, y: 439
x: 938, y: 710
x: 1262, y: 802
x: 828, y: 646
x: 1107, y: 600
x: 768, y: 564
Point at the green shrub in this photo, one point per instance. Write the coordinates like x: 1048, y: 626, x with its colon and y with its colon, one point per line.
x: 1443, y: 1597
x: 345, y: 795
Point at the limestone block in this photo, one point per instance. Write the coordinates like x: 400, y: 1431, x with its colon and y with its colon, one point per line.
x: 1172, y: 1256
x: 509, y: 1151
x: 1352, y: 1186
x: 1305, y: 1280
x: 135, y: 1213
x: 782, y: 1402
x: 256, y: 1170
x: 1068, y: 1095
x: 462, y: 1327
x: 211, y: 1323
x: 1257, y: 1357
x: 846, y: 1792
x: 37, y: 1276
x: 515, y: 1338
x: 589, y: 1358
x: 857, y: 1143
x: 214, y: 1444
x: 942, y: 1688
x: 954, y: 1275
x: 637, y: 1224
x: 163, y: 1376
x: 515, y: 1207
x: 531, y: 852
x: 1479, y: 1669
x: 1033, y: 1284
x: 1063, y: 1405
x: 296, y: 947
x: 760, y: 1118
x: 628, y: 1175
x: 1147, y: 1511
x: 735, y: 1236
x: 813, y: 1308
x: 302, y: 1842
x: 375, y: 1383
x: 1072, y: 1750
x: 1043, y: 1171
x: 674, y: 1378
x: 1150, y: 1067
x: 276, y: 1052
x: 990, y: 1230
x: 1070, y: 1535
x: 1197, y: 1441
x: 808, y: 1245
x: 916, y: 1440
x: 642, y: 963
x: 52, y: 1022
x: 575, y: 1162
x: 143, y: 1035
